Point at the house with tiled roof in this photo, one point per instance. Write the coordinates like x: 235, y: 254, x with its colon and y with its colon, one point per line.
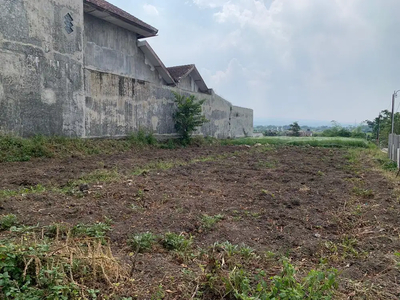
x: 188, y: 78
x: 85, y: 68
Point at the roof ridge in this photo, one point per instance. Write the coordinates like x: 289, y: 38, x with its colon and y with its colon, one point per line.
x: 113, y: 9
x: 181, y: 66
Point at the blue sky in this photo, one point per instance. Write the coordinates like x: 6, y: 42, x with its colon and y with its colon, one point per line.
x: 314, y: 60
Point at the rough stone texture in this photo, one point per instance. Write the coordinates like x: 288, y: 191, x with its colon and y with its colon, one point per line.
x: 109, y: 48
x: 41, y: 78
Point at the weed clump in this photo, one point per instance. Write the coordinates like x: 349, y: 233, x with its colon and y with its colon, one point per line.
x: 142, y: 242
x: 177, y: 242
x: 209, y: 222
x: 8, y: 221
x: 97, y: 230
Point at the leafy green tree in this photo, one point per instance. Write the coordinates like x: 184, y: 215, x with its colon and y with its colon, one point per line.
x: 357, y: 132
x: 336, y: 130
x: 295, y: 129
x: 382, y: 126
x: 188, y: 116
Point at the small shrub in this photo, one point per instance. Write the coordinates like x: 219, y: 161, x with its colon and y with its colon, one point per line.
x: 142, y: 242
x: 177, y: 242
x: 188, y: 116
x: 8, y: 221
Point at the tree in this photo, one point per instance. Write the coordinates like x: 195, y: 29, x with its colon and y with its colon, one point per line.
x: 381, y: 126
x: 295, y: 129
x: 336, y: 130
x: 270, y: 133
x: 188, y: 116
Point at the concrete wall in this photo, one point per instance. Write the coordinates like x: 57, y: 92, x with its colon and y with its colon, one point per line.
x: 117, y: 105
x: 241, y: 122
x: 112, y: 49
x: 41, y: 78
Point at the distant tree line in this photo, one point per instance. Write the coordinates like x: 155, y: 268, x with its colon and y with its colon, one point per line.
x: 335, y: 130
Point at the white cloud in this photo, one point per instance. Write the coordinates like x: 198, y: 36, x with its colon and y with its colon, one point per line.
x: 208, y: 3
x: 150, y: 10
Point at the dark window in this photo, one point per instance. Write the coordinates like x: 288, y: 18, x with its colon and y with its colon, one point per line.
x: 68, y: 23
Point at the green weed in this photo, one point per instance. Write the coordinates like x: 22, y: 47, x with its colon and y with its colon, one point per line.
x: 142, y: 242
x: 364, y: 193
x: 241, y: 284
x: 159, y: 294
x: 246, y: 252
x: 229, y: 248
x: 25, y: 191
x: 97, y: 230
x: 209, y: 222
x: 8, y: 221
x: 176, y: 242
x: 397, y: 259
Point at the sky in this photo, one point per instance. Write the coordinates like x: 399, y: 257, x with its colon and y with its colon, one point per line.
x: 310, y: 61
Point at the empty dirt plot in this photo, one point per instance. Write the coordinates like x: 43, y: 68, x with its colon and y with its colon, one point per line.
x: 217, y: 222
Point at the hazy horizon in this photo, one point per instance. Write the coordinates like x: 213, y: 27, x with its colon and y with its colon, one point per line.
x: 313, y: 123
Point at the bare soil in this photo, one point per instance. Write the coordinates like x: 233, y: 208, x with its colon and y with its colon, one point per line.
x: 310, y: 204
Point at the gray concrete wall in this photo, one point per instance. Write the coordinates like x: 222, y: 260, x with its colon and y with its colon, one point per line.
x: 113, y: 49
x: 241, y: 122
x: 117, y: 105
x: 41, y: 78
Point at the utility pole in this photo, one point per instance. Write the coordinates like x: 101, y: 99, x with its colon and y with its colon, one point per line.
x: 379, y: 128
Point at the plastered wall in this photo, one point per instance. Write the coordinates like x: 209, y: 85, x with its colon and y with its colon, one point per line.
x: 41, y: 75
